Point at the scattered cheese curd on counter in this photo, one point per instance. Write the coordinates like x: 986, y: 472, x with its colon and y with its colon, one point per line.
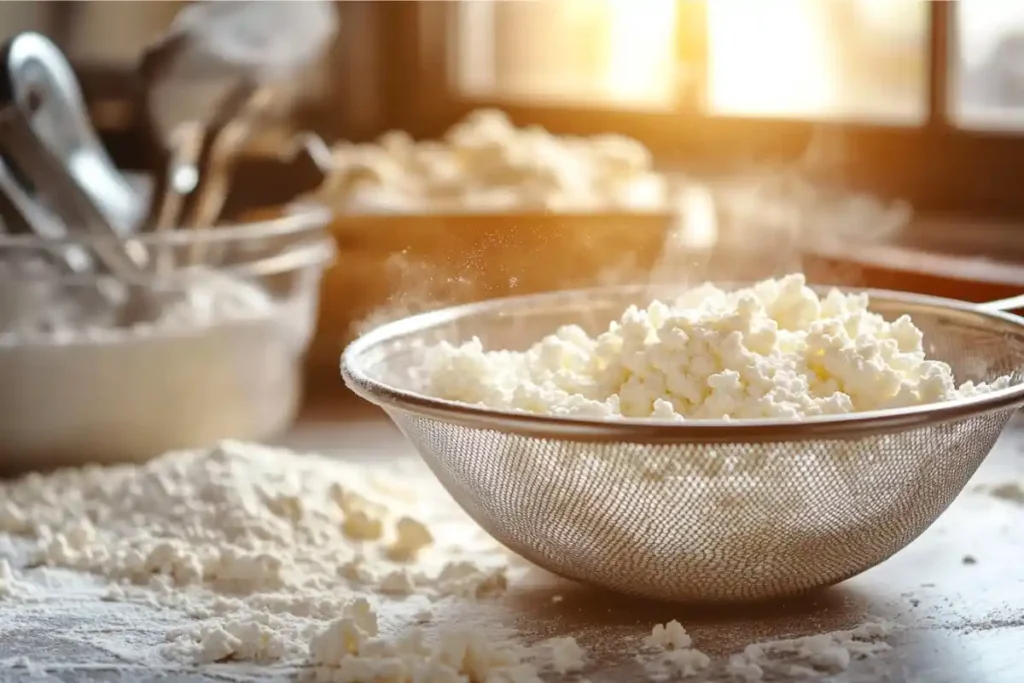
x: 776, y: 350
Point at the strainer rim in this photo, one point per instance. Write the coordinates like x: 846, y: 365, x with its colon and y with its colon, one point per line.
x: 649, y: 431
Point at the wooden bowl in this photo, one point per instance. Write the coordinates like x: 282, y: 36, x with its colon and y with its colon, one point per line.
x: 394, y: 265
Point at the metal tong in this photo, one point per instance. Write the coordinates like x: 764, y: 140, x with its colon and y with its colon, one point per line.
x: 23, y: 215
x: 47, y: 139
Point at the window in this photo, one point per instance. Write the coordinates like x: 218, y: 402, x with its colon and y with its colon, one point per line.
x: 989, y: 90
x: 579, y: 51
x: 850, y: 59
x: 715, y: 84
x: 804, y: 58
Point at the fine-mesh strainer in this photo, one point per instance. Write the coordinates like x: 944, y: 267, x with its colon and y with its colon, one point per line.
x: 705, y: 510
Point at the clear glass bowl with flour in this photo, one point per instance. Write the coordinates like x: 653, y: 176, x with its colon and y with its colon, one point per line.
x: 207, y: 346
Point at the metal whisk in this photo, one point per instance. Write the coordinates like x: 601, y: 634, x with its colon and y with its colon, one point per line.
x: 699, y: 511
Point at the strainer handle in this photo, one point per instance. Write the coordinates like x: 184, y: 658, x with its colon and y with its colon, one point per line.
x: 1012, y: 303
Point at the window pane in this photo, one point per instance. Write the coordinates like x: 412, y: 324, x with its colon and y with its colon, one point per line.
x: 847, y: 59
x: 605, y: 52
x: 988, y: 91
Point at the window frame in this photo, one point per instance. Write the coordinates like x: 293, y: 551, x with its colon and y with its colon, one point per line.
x: 937, y: 167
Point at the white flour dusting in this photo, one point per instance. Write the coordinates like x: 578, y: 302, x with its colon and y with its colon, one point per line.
x: 248, y: 554
x: 219, y: 361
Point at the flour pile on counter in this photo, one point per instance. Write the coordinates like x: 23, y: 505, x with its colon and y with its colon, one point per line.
x: 775, y: 350
x: 485, y: 163
x: 268, y: 551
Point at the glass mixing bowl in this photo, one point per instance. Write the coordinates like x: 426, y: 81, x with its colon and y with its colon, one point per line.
x: 204, y: 343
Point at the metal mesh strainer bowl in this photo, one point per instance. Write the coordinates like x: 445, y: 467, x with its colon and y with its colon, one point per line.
x: 702, y: 511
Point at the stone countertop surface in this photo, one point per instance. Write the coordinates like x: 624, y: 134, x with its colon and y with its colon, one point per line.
x: 958, y: 590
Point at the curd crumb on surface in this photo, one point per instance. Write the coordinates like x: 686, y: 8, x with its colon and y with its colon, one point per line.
x: 776, y: 350
x: 566, y: 655
x: 686, y: 662
x: 344, y: 652
x: 412, y: 537
x: 811, y: 656
x: 674, y: 655
x: 360, y: 526
x: 397, y: 582
x: 668, y: 636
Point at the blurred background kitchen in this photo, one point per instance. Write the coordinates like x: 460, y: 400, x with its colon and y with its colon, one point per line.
x: 867, y: 142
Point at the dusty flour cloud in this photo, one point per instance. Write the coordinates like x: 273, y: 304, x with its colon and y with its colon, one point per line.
x: 499, y: 266
x: 415, y: 286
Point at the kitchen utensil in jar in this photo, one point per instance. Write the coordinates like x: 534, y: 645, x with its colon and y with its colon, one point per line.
x: 176, y: 176
x: 179, y: 108
x: 701, y: 510
x: 261, y: 44
x: 195, y: 176
x: 260, y: 41
x: 310, y: 146
x: 214, y: 57
x: 46, y: 136
x: 178, y: 111
x: 23, y: 215
x: 225, y: 137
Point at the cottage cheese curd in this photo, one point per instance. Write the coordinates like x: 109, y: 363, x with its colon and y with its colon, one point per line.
x: 774, y: 350
x: 486, y: 163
